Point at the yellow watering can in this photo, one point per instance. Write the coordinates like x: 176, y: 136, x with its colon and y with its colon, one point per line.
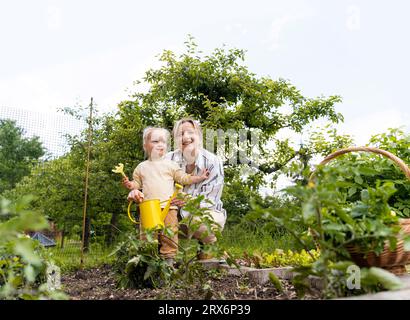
x: 151, y: 216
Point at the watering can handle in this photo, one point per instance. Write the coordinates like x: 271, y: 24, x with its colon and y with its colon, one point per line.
x: 178, y: 188
x: 129, y: 213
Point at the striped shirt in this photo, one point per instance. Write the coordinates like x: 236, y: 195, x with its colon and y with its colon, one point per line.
x: 210, y: 188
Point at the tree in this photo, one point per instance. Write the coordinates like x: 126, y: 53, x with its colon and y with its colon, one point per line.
x: 115, y: 139
x: 17, y: 154
x: 220, y: 92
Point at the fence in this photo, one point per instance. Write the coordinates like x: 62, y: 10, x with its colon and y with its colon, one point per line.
x: 50, y: 127
x: 66, y: 248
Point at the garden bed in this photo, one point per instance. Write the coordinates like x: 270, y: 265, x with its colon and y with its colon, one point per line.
x: 99, y: 284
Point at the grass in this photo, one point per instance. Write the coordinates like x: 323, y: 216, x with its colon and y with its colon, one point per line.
x: 239, y: 238
x: 236, y: 239
x: 69, y: 257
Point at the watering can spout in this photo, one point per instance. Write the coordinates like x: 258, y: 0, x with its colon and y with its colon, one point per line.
x: 164, y: 212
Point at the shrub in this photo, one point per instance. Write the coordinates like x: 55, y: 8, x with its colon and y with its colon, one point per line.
x: 22, y: 264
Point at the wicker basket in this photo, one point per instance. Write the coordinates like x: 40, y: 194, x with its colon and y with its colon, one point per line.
x: 394, y: 261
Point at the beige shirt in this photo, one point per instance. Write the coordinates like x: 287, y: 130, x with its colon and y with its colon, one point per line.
x: 156, y: 179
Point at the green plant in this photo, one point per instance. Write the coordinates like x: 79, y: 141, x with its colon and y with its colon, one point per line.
x: 138, y: 264
x: 332, y: 220
x: 276, y: 282
x: 280, y: 258
x: 396, y: 141
x: 18, y: 154
x: 22, y: 263
x: 188, y: 273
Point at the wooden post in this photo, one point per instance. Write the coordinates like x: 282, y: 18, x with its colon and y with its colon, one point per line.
x: 87, y: 170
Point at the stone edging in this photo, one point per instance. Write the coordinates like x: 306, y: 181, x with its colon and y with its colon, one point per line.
x: 259, y: 276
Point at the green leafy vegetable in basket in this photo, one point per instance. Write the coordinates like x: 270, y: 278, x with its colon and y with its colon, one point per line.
x: 356, y: 201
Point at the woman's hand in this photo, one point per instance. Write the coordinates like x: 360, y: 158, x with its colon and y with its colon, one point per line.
x: 136, y: 195
x: 177, y: 202
x: 180, y: 200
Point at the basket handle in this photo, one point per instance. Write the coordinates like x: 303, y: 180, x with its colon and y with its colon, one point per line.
x: 385, y: 153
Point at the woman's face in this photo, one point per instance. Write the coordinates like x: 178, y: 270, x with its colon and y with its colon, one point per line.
x: 188, y: 141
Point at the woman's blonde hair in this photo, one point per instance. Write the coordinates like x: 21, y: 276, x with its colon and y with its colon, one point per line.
x: 194, y: 123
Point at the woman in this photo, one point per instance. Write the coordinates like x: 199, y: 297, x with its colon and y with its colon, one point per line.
x: 193, y: 158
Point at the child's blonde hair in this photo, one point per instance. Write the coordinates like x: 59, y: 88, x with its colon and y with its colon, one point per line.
x: 146, y: 135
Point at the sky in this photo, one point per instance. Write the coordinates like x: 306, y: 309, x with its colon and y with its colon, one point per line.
x: 57, y: 53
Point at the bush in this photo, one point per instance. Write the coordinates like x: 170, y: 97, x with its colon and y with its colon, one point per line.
x: 22, y: 263
x: 138, y: 264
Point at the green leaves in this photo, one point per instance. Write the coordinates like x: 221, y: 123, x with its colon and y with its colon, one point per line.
x: 276, y: 282
x: 406, y: 243
x: 380, y: 276
x: 351, y: 191
x: 364, y: 195
x: 132, y: 264
x: 22, y: 264
x: 20, y: 218
x: 309, y: 211
x: 137, y: 263
x: 17, y: 154
x: 30, y: 273
x: 358, y: 180
x: 25, y: 249
x: 354, y: 195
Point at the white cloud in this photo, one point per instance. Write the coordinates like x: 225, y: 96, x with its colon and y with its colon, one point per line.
x: 278, y: 26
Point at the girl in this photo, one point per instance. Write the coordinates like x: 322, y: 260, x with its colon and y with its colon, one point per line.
x: 154, y: 179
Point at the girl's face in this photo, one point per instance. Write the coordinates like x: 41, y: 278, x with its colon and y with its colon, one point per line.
x: 188, y: 141
x: 156, y: 145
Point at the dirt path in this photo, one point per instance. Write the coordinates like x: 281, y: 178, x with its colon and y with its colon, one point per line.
x: 99, y: 284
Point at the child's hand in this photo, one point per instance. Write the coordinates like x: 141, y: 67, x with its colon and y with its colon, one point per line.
x: 204, y: 174
x: 136, y: 195
x: 127, y: 183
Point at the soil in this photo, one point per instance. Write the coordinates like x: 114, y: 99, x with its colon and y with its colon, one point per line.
x: 100, y: 284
